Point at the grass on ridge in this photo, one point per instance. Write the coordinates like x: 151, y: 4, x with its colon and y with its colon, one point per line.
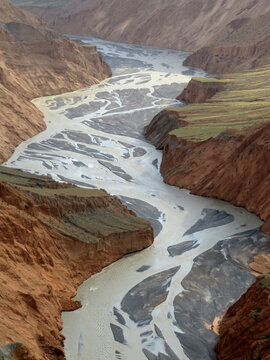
x: 244, y: 102
x: 44, y: 185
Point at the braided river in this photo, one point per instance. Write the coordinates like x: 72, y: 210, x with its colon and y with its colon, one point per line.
x: 164, y: 302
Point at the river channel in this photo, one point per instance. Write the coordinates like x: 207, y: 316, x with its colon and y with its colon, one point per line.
x: 160, y: 303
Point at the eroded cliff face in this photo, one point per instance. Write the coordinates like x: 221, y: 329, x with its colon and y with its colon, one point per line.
x: 35, y: 61
x: 164, y: 122
x: 54, y: 236
x: 231, y: 167
x: 244, y: 330
x: 199, y: 92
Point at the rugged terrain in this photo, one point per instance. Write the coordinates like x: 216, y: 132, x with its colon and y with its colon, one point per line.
x: 233, y: 35
x: 36, y: 61
x: 54, y: 236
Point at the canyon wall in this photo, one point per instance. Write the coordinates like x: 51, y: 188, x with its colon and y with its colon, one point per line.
x: 53, y: 237
x: 230, y: 167
x: 183, y: 24
x: 230, y: 36
x: 36, y: 61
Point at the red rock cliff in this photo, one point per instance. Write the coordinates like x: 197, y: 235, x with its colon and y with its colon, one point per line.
x: 229, y: 167
x: 245, y: 329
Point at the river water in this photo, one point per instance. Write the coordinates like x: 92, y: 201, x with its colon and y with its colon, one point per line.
x: 158, y: 303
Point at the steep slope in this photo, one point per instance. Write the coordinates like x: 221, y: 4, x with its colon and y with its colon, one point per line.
x: 245, y: 329
x: 9, y: 13
x: 233, y: 35
x: 245, y: 47
x: 181, y: 24
x: 54, y: 236
x: 35, y: 61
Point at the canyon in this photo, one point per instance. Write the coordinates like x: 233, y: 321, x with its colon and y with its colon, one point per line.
x: 162, y: 304
x: 94, y: 138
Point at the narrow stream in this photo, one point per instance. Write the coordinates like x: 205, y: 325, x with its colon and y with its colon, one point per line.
x: 159, y: 303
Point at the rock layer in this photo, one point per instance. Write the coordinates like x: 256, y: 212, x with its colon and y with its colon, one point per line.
x: 164, y: 122
x: 52, y: 238
x: 199, y: 92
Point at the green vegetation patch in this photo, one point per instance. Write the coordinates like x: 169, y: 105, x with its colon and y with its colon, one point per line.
x: 104, y: 222
x: 244, y: 102
x: 211, y: 80
x: 265, y: 282
x: 44, y: 185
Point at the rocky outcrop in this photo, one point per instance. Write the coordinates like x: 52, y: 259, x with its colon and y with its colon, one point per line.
x: 35, y: 61
x: 200, y: 91
x: 233, y: 166
x: 244, y: 331
x: 164, y: 122
x: 54, y: 236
